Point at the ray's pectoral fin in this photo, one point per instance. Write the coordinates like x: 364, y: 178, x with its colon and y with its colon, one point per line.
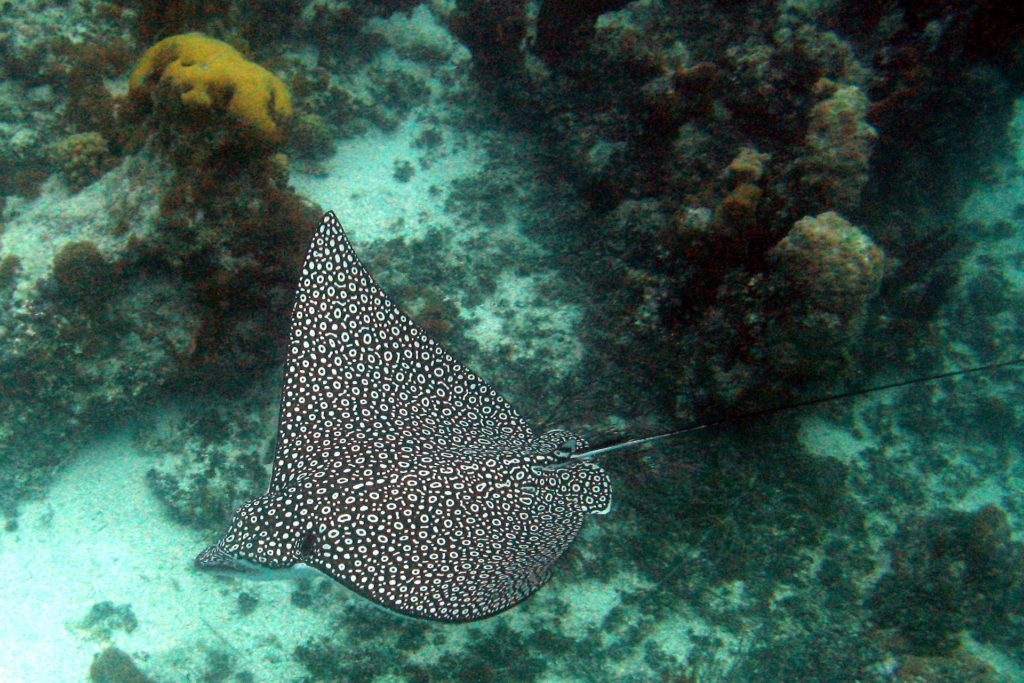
x: 583, y: 486
x: 307, y: 546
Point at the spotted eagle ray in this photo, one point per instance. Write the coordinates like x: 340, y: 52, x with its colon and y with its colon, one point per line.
x: 400, y: 473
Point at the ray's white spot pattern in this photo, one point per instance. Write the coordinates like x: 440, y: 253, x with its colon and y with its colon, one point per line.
x: 399, y: 472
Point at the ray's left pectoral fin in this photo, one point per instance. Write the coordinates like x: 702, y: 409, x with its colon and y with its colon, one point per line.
x: 584, y: 486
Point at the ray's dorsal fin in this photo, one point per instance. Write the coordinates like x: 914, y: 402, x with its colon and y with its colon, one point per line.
x: 699, y: 426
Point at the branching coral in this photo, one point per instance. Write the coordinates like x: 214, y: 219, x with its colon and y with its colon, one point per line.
x: 211, y: 74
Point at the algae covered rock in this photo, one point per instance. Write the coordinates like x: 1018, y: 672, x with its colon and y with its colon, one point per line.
x: 769, y: 333
x: 81, y: 272
x: 104, y: 618
x: 950, y: 572
x: 82, y: 158
x: 114, y: 665
x: 825, y: 271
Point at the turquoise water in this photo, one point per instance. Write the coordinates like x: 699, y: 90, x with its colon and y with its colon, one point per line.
x: 627, y: 219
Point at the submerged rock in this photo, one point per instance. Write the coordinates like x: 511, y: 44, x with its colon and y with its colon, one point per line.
x: 114, y: 665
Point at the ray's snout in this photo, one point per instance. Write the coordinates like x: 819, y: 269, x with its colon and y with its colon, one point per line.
x: 214, y: 558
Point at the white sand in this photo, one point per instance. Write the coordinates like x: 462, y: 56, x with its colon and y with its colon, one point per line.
x: 372, y: 205
x: 100, y: 535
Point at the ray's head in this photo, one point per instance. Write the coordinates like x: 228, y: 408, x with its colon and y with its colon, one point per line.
x: 270, y: 532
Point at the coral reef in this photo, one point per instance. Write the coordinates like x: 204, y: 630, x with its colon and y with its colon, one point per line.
x: 82, y: 274
x: 235, y: 234
x: 770, y: 334
x: 565, y: 27
x: 713, y: 187
x: 311, y: 138
x: 654, y: 100
x: 747, y: 168
x: 931, y: 69
x: 209, y: 74
x: 831, y: 265
x: 215, y: 458
x: 493, y: 30
x: 89, y: 329
x: 228, y: 225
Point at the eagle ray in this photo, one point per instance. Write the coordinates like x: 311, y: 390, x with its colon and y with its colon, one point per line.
x: 399, y: 472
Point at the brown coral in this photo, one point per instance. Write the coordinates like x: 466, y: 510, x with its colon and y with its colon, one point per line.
x: 831, y: 262
x: 747, y: 166
x: 834, y: 168
x: 82, y: 274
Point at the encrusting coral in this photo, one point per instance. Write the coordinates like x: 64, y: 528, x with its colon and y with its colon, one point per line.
x: 82, y: 158
x: 212, y: 74
x: 825, y: 272
x: 82, y: 273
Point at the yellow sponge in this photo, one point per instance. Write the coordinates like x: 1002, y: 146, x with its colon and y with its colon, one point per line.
x: 210, y: 73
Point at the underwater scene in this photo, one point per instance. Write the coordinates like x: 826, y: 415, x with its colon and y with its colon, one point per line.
x: 511, y: 340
